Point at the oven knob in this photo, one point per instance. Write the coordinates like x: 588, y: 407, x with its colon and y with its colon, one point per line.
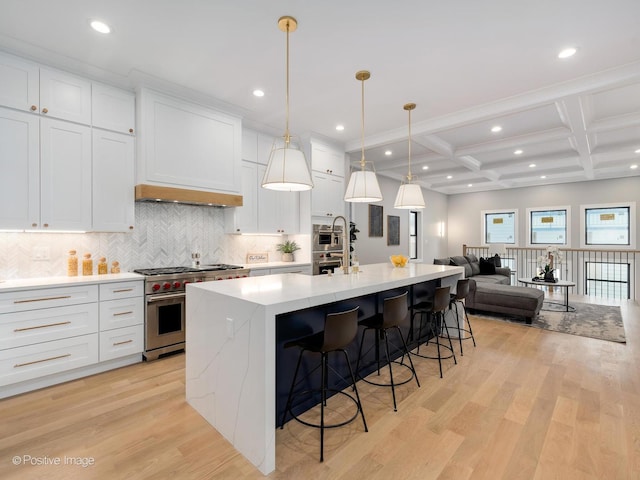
x: 199, y: 280
x: 245, y: 275
x: 177, y: 284
x: 155, y: 287
x: 166, y: 286
x: 219, y: 278
x: 186, y: 281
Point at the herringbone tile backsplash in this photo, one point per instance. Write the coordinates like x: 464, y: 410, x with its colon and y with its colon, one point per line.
x: 165, y: 234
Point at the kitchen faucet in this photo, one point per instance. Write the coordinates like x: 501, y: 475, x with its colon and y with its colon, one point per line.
x: 346, y: 237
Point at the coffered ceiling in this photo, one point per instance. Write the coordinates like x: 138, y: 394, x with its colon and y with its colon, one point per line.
x: 468, y: 65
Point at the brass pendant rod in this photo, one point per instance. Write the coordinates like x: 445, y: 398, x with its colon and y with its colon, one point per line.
x: 362, y: 161
x: 287, y: 136
x: 408, y: 107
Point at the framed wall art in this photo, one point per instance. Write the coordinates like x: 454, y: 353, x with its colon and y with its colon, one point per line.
x: 393, y: 230
x: 375, y: 221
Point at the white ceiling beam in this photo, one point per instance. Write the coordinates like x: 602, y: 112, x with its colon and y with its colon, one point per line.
x: 573, y: 112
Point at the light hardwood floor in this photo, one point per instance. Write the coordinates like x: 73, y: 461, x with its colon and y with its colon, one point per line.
x: 524, y: 404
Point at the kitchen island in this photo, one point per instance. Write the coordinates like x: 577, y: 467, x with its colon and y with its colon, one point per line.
x: 231, y: 341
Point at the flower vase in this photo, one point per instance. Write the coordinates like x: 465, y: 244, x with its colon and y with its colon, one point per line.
x: 548, y: 277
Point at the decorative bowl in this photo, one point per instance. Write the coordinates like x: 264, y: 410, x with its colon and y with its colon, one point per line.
x: 399, y: 261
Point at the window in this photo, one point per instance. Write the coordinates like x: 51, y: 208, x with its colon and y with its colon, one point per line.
x: 500, y: 226
x: 413, y: 235
x: 548, y: 226
x: 610, y: 225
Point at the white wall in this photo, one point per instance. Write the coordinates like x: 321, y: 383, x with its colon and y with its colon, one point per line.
x: 464, y: 220
x: 434, y: 218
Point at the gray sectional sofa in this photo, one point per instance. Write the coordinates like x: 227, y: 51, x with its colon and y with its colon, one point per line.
x: 493, y: 292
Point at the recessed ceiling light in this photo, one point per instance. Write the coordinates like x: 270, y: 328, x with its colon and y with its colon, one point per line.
x: 543, y: 176
x: 469, y: 184
x: 258, y: 93
x: 340, y: 128
x: 633, y: 167
x: 517, y: 152
x: 567, y: 52
x: 388, y: 152
x: 449, y: 177
x: 637, y: 151
x: 496, y: 129
x: 99, y: 26
x: 532, y: 165
x: 426, y: 167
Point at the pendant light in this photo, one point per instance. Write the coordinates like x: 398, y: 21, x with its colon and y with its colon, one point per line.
x: 287, y: 168
x: 363, y: 184
x: 409, y: 194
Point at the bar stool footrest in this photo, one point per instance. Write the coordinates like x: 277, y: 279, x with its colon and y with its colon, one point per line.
x: 395, y: 384
x: 333, y: 425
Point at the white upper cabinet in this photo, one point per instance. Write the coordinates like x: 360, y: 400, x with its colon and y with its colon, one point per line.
x: 249, y: 145
x: 188, y: 146
x: 65, y: 96
x: 326, y: 159
x: 20, y: 167
x: 19, y: 83
x: 113, y: 181
x: 244, y: 219
x: 328, y: 168
x: 52, y: 177
x: 113, y: 109
x: 65, y: 175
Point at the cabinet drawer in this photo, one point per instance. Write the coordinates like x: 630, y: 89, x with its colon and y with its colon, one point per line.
x: 124, y: 312
x: 33, y: 361
x: 47, y: 297
x: 37, y: 326
x: 111, y: 291
x: 121, y: 342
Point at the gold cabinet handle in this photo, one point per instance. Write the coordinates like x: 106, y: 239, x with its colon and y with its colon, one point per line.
x: 122, y: 313
x: 40, y: 361
x: 45, y: 110
x: 123, y: 290
x: 41, y: 326
x: 33, y: 108
x: 34, y: 224
x: 42, y: 299
x: 130, y: 227
x: 45, y: 225
x: 122, y: 343
x: 131, y: 130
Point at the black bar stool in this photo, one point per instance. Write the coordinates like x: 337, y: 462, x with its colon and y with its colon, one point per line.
x: 339, y: 331
x: 462, y: 290
x: 433, y: 312
x: 393, y: 312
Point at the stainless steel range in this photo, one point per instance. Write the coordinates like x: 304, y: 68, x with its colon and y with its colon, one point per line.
x: 165, y: 295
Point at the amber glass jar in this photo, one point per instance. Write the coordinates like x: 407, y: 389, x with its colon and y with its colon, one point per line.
x: 115, y: 267
x: 102, y: 266
x: 87, y: 265
x: 72, y: 264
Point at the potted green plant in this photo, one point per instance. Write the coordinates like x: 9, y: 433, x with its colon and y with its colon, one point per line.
x: 287, y: 248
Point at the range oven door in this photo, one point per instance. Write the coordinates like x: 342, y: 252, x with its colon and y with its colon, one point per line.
x: 165, y: 320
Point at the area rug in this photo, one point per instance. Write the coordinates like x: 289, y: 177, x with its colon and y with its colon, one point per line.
x: 589, y: 320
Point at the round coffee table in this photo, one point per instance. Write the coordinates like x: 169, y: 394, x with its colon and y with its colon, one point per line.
x: 560, y: 283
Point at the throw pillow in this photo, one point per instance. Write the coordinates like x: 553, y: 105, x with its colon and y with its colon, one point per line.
x: 496, y: 260
x: 487, y: 267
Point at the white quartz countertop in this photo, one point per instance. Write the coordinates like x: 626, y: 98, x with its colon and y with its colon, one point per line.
x: 262, y: 266
x: 283, y: 289
x: 62, y: 281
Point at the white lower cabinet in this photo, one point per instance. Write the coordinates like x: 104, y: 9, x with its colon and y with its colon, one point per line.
x: 121, y: 342
x: 49, y: 335
x: 40, y: 359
